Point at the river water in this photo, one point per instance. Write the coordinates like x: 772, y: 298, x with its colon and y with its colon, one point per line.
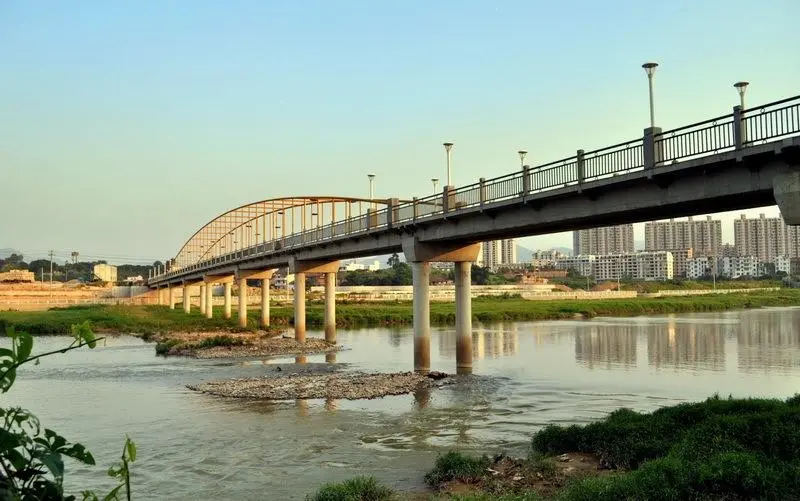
x: 526, y: 374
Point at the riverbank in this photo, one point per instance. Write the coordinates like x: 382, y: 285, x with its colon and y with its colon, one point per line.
x: 147, y: 321
x: 248, y: 344
x: 716, y: 449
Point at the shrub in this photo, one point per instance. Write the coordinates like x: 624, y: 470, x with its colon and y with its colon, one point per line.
x: 456, y: 466
x: 355, y: 489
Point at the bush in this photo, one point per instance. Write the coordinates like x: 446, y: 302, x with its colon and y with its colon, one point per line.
x: 717, y: 449
x: 220, y: 341
x: 355, y: 489
x: 456, y: 466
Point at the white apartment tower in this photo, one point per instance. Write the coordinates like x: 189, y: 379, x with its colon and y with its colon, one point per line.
x: 703, y: 236
x: 605, y: 240
x: 765, y: 238
x: 496, y: 253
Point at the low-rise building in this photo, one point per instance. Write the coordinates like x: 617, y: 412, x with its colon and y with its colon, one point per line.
x: 648, y: 265
x: 699, y: 267
x: 583, y: 265
x: 794, y: 267
x: 737, y: 267
x: 783, y: 264
x: 105, y: 272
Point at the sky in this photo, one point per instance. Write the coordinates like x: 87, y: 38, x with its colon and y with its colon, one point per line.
x: 125, y: 126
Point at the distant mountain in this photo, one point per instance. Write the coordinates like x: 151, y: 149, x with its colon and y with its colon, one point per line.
x: 525, y: 255
x: 4, y: 253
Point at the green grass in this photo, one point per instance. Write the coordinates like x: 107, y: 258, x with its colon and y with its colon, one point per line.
x: 147, y: 320
x: 717, y: 449
x: 355, y: 489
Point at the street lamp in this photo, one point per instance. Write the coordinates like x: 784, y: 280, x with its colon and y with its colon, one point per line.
x: 435, y: 181
x: 522, y: 154
x: 741, y: 87
x: 650, y: 69
x: 371, y: 181
x: 447, y: 148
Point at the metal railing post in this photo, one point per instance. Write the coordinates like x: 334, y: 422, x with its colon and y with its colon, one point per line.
x: 739, y: 133
x: 526, y: 181
x: 482, y: 191
x: 651, y: 150
x: 447, y: 199
x: 391, y: 212
x: 580, y: 166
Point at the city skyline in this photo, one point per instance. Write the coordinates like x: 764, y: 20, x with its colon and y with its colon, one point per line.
x: 132, y: 126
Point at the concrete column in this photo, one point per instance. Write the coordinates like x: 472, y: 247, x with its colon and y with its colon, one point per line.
x: 300, y: 307
x: 209, y: 300
x: 202, y: 299
x: 786, y: 188
x: 421, y: 276
x: 651, y: 150
x: 330, y: 307
x: 265, y: 302
x: 187, y: 300
x: 242, y: 302
x: 228, y: 286
x: 463, y: 317
x: 171, y: 293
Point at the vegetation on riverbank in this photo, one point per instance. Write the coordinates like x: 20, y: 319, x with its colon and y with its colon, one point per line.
x: 717, y: 449
x: 150, y: 320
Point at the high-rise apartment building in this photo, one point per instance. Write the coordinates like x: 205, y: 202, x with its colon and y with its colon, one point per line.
x: 605, y: 240
x: 496, y: 253
x: 703, y: 236
x: 765, y: 238
x: 508, y: 251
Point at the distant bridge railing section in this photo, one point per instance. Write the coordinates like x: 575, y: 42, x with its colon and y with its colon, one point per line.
x: 737, y: 130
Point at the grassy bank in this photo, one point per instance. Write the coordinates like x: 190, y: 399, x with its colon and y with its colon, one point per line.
x: 717, y: 449
x: 154, y: 319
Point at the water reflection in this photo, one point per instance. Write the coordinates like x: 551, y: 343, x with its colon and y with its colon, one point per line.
x: 487, y: 342
x: 767, y: 342
x: 687, y: 345
x: 606, y: 346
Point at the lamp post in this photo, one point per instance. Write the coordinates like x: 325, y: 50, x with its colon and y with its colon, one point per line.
x: 435, y: 181
x: 650, y: 69
x: 741, y: 87
x: 371, y: 182
x: 447, y: 148
x: 522, y: 154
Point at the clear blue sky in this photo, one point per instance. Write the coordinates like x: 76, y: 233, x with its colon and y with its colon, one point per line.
x: 127, y: 125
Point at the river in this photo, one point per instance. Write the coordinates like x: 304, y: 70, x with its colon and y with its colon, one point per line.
x: 526, y: 374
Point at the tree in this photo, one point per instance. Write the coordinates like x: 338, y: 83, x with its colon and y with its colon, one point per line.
x: 393, y: 260
x: 31, y: 457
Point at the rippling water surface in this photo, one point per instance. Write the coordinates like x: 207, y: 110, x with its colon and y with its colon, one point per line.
x: 526, y: 375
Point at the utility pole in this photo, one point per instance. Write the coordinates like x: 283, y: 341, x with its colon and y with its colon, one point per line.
x: 51, y: 271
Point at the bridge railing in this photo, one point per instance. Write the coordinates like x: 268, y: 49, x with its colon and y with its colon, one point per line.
x: 740, y: 129
x: 772, y: 121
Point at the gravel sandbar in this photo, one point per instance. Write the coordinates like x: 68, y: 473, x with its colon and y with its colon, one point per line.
x: 350, y: 386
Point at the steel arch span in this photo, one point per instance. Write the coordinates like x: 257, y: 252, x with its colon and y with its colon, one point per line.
x: 268, y: 221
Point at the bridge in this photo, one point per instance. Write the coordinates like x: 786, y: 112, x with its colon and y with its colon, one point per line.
x: 745, y: 159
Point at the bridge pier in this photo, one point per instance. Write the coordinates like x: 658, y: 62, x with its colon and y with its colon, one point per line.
x: 228, y: 286
x: 300, y: 307
x: 330, y: 307
x: 202, y: 299
x: 300, y: 269
x: 242, y: 282
x: 420, y: 254
x: 209, y: 300
x: 421, y: 278
x: 171, y: 293
x: 786, y: 188
x: 187, y: 299
x: 463, y: 282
